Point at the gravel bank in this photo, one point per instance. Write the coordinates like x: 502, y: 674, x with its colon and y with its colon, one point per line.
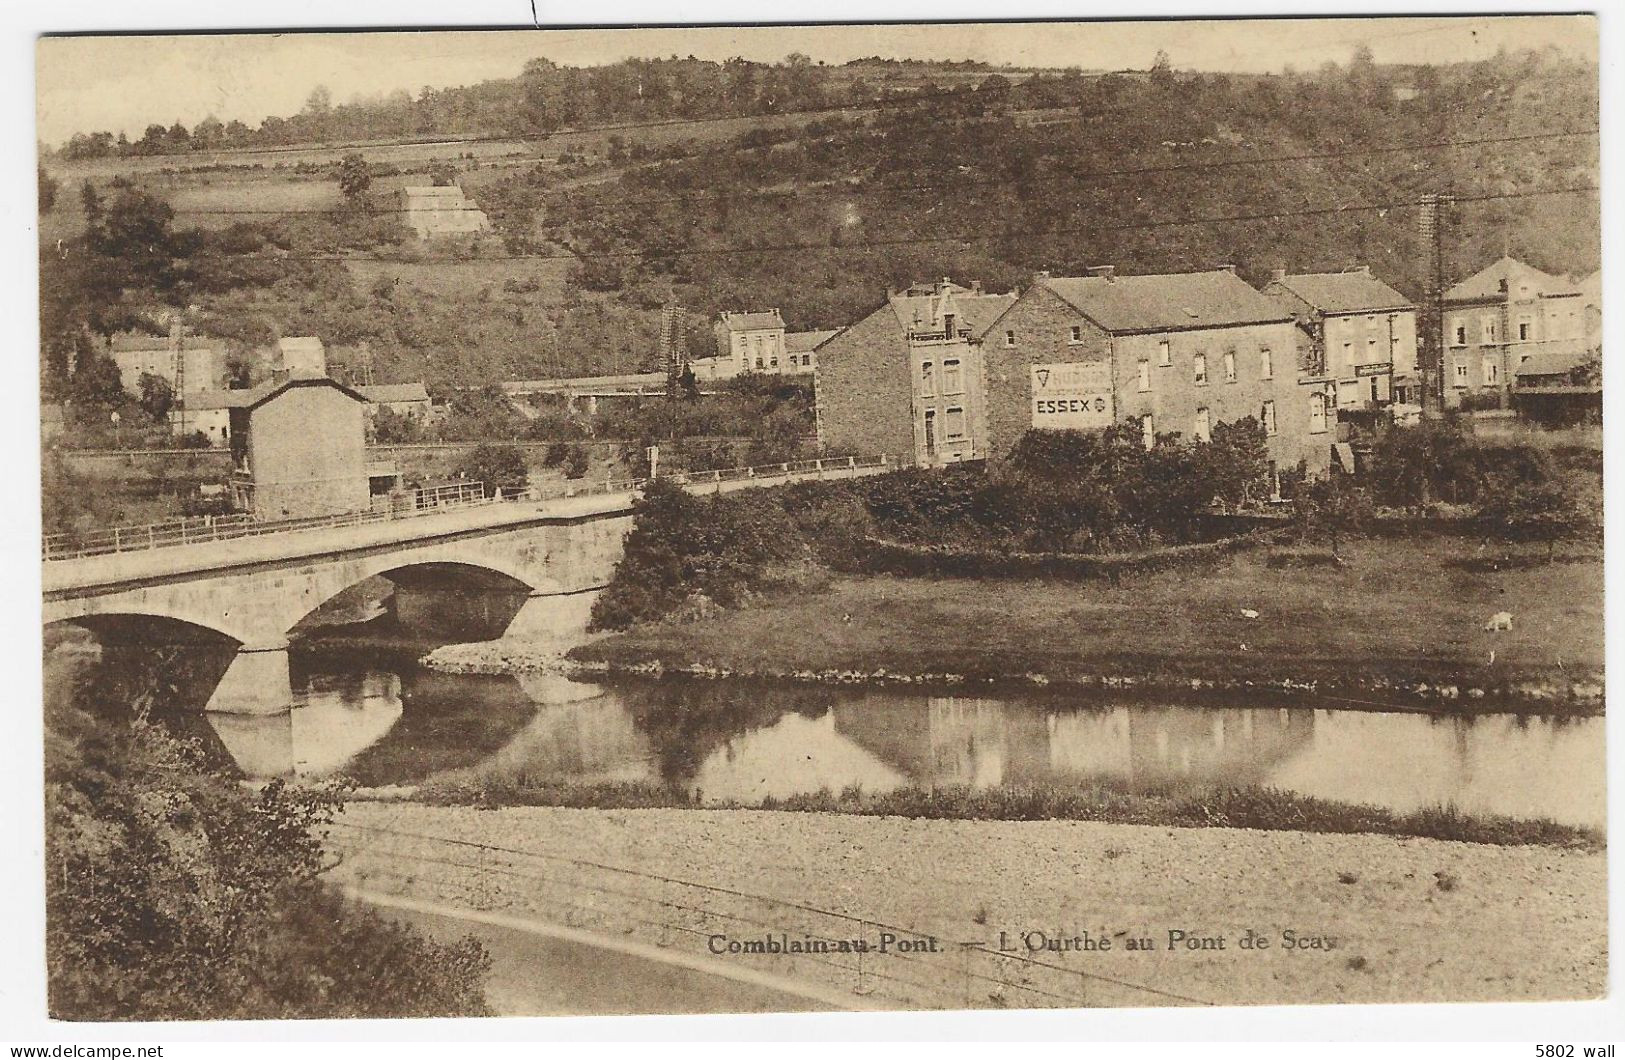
x: 1411, y: 919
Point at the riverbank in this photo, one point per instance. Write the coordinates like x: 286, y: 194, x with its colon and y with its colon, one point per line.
x: 1181, y: 806
x: 1401, y: 920
x: 1396, y: 621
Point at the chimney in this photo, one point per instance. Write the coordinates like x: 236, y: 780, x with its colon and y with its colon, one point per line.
x: 976, y: 287
x: 942, y: 286
x: 1277, y: 275
x: 1109, y: 272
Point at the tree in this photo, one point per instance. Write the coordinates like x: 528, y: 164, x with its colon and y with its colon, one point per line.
x: 1537, y: 512
x: 443, y: 174
x: 48, y: 187
x: 156, y: 396
x: 355, y: 177
x: 497, y: 467
x: 174, y: 892
x: 1333, y: 506
x: 96, y: 383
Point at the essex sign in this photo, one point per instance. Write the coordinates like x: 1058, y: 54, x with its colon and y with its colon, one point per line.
x: 1072, y: 396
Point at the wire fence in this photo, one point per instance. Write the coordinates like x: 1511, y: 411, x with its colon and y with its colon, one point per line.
x: 430, y: 501
x: 886, y: 963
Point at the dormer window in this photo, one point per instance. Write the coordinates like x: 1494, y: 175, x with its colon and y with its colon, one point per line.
x: 1009, y: 338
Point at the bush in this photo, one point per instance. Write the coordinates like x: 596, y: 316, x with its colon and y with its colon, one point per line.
x: 497, y: 466
x: 724, y: 548
x: 176, y: 893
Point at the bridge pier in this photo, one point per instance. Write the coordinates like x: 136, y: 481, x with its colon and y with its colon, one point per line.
x: 256, y: 682
x: 553, y: 616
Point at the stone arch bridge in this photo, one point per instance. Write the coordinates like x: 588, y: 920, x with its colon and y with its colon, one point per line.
x: 256, y: 590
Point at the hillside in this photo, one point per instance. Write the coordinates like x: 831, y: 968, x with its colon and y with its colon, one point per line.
x: 819, y: 211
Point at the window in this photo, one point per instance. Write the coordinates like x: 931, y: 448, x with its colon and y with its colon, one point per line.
x: 1317, y: 413
x: 1199, y: 362
x: 1461, y: 373
x: 774, y: 360
x: 1075, y: 336
x: 1009, y: 338
x: 952, y: 378
x: 953, y: 424
x: 1165, y: 355
x: 928, y: 379
x: 1267, y: 416
x: 930, y: 431
x: 1145, y: 376
x: 1458, y: 333
x: 1266, y: 364
x: 1148, y: 433
x: 1526, y: 328
x: 758, y: 362
x: 1229, y: 366
x: 1492, y: 372
x: 1202, y: 428
x: 1489, y: 331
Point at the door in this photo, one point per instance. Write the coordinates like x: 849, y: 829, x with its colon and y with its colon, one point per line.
x: 930, y: 433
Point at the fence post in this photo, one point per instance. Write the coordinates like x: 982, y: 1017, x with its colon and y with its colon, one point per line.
x: 150, y: 541
x: 117, y: 547
x: 852, y: 462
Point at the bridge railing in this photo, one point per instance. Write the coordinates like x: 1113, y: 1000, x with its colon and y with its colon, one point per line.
x: 199, y: 530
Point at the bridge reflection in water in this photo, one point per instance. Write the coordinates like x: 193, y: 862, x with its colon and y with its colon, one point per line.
x: 731, y: 744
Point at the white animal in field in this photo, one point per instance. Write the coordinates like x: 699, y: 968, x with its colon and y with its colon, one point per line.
x: 1499, y: 622
x: 1248, y: 612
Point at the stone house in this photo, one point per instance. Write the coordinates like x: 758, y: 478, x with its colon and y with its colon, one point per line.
x: 1178, y: 353
x: 432, y: 211
x: 1497, y: 317
x: 189, y: 364
x: 298, y: 449
x: 1362, y: 334
x: 906, y: 380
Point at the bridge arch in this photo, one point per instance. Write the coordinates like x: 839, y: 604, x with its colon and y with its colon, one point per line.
x: 458, y: 599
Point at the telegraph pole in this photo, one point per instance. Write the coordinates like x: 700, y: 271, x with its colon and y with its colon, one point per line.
x: 1435, y: 220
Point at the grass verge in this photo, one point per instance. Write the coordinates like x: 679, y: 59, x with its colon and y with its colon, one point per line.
x: 1263, y: 808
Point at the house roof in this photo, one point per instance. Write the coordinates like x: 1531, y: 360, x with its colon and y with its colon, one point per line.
x: 978, y: 311
x: 1553, y: 362
x: 752, y: 321
x: 1355, y: 291
x: 1168, y: 301
x: 1487, y: 283
x: 806, y: 341
x: 387, y: 393
x: 271, y: 388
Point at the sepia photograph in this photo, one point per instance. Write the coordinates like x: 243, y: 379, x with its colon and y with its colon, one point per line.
x: 895, y: 517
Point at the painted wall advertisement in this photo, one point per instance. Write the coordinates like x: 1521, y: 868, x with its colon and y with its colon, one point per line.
x: 1072, y: 396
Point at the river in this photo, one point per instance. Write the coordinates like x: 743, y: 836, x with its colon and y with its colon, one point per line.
x: 379, y: 719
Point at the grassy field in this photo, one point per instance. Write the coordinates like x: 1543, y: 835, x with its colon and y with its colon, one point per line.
x: 1398, y: 611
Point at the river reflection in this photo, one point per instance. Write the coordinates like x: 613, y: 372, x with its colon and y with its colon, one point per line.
x: 741, y: 743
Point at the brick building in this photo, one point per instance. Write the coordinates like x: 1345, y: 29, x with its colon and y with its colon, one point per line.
x: 1499, y: 316
x: 1361, y: 332
x: 1179, y: 353
x: 906, y: 381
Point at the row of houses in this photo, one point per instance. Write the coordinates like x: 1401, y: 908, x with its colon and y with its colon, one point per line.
x: 208, y: 383
x: 944, y: 373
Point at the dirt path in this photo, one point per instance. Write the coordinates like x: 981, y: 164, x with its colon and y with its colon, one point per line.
x: 1400, y: 920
